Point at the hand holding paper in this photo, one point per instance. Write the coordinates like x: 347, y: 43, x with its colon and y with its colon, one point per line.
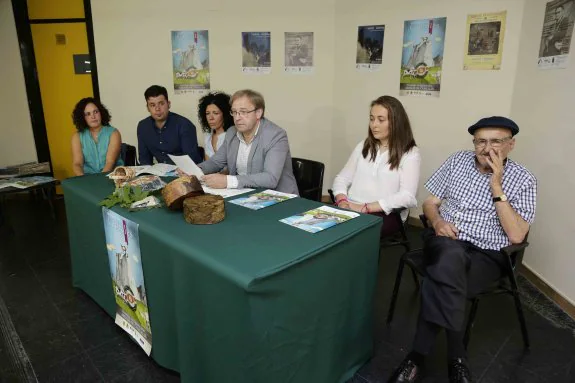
x: 186, y: 165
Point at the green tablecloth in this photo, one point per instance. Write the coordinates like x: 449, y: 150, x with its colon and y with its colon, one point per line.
x: 249, y: 299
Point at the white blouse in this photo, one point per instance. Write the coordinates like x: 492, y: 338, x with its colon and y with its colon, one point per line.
x: 365, y: 181
x: 208, y: 143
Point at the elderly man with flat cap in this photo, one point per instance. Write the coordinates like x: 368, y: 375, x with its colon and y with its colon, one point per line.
x: 480, y: 202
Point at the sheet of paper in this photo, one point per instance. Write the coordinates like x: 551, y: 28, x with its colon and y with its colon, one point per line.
x: 319, y: 219
x: 262, y: 199
x: 160, y: 170
x: 225, y: 192
x: 186, y: 164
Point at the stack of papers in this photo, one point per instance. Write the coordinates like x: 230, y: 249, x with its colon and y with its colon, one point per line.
x: 25, y: 182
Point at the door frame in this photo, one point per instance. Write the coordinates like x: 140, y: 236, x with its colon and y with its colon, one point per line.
x: 35, y: 106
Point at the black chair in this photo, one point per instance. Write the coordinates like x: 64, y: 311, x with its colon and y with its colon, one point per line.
x: 202, y: 152
x: 128, y: 155
x: 309, y: 178
x: 507, y: 284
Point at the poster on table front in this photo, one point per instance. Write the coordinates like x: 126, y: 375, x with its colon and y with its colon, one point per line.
x: 484, y: 41
x: 555, y: 42
x: 256, y: 53
x: 369, y: 48
x: 299, y: 48
x: 123, y: 246
x: 191, y: 61
x: 422, y: 57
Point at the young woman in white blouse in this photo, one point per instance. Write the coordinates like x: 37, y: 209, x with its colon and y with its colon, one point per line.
x: 382, y: 172
x: 215, y: 118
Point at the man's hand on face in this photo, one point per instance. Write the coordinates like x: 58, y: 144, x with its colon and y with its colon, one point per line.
x: 495, y: 161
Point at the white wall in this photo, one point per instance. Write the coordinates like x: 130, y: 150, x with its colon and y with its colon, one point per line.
x: 133, y: 49
x: 325, y: 114
x: 543, y: 106
x: 17, y: 142
x: 439, y: 124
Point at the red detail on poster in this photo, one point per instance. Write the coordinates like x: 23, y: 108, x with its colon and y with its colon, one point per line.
x: 195, y: 37
x: 430, y: 26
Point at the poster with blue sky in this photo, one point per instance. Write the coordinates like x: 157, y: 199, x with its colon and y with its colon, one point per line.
x: 123, y: 247
x: 422, y: 57
x: 191, y: 61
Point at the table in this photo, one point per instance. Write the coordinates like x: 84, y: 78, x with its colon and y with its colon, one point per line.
x: 249, y: 299
x: 46, y: 189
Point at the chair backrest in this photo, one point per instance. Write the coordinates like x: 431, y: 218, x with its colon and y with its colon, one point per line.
x: 128, y: 154
x: 516, y: 256
x: 331, y: 195
x: 309, y: 178
x: 202, y: 152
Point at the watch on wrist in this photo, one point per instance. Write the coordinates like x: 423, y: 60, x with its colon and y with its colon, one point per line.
x: 501, y: 198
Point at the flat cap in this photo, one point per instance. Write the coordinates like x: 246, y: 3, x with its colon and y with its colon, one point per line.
x: 495, y: 122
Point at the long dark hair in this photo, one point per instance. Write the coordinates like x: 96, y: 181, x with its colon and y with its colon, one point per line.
x: 222, y: 101
x: 78, y: 113
x: 400, y: 139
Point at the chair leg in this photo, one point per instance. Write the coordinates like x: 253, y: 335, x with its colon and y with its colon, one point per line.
x: 415, y: 279
x: 519, y: 309
x: 470, y: 321
x: 395, y: 291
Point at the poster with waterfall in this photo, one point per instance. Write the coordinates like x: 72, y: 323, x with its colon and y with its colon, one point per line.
x: 191, y: 62
x: 369, y: 51
x: 123, y: 246
x: 256, y: 53
x: 422, y: 57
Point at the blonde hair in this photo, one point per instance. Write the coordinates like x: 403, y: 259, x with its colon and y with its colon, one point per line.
x: 255, y: 98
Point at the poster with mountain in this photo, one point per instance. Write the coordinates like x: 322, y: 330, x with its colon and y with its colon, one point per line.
x: 123, y: 246
x: 191, y: 61
x: 422, y: 57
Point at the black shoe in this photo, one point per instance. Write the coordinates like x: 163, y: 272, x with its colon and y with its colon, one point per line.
x: 459, y: 371
x: 407, y: 372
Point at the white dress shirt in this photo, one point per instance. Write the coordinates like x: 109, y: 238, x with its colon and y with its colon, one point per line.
x: 242, y: 158
x: 208, y: 143
x: 365, y: 181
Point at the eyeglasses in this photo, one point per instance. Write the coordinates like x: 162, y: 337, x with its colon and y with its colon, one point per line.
x: 494, y: 143
x: 242, y: 113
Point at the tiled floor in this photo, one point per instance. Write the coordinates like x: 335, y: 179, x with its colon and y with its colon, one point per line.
x: 68, y: 338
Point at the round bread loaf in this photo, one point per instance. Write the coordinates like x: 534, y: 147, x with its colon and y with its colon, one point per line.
x: 179, y: 189
x: 204, y: 209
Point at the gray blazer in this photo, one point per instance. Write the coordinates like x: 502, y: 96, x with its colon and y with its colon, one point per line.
x: 269, y: 162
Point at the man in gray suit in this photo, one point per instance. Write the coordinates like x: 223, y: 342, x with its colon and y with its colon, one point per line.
x: 255, y: 151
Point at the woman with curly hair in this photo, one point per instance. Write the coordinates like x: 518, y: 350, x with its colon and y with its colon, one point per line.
x: 214, y: 115
x: 96, y: 145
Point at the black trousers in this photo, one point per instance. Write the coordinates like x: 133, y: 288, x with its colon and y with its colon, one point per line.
x: 456, y: 270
